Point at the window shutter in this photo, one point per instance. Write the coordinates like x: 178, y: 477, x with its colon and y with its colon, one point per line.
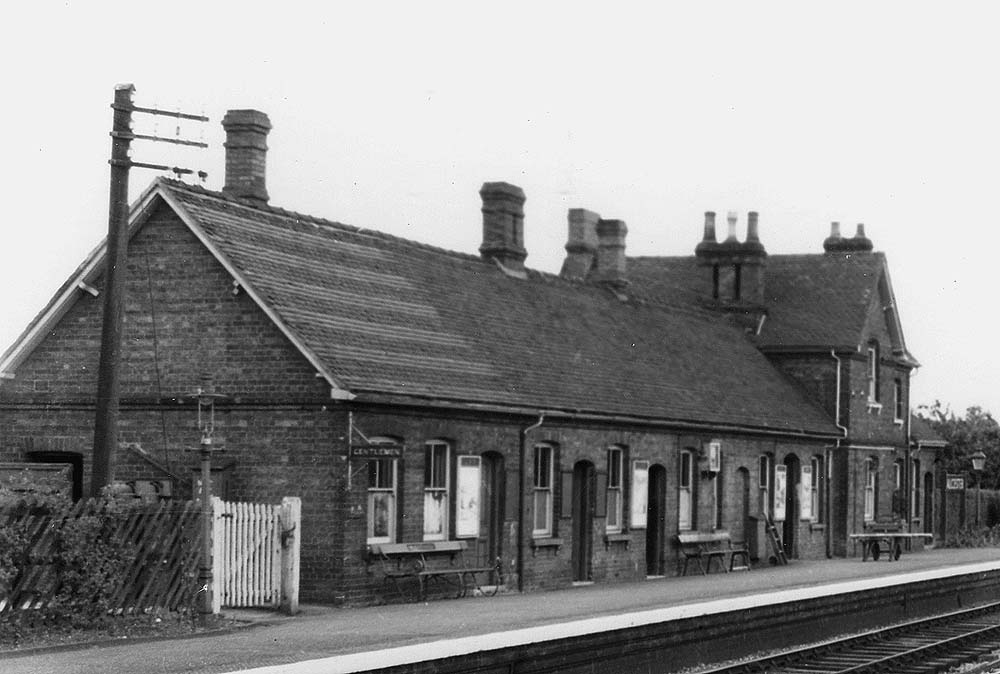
x: 566, y: 494
x: 601, y: 502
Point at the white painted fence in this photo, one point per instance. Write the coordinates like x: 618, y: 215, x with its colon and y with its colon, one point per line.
x: 255, y: 554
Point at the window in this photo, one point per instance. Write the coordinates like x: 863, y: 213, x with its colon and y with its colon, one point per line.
x: 764, y: 483
x: 436, y: 491
x: 872, y: 374
x: 542, y: 483
x: 810, y: 496
x: 685, y: 501
x: 382, y: 496
x: 615, y: 492
x: 639, y: 497
x: 898, y: 400
x: 898, y: 506
x: 871, y: 482
x: 915, y: 491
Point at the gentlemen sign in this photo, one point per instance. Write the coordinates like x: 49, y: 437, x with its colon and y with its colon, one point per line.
x: 375, y: 452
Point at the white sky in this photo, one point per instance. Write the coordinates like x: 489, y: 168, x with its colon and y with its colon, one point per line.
x: 392, y: 115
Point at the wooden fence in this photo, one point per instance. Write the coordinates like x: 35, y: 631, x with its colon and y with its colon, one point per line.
x: 159, y: 547
x: 256, y: 554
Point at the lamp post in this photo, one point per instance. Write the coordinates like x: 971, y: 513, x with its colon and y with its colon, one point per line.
x: 206, y: 397
x: 978, y: 463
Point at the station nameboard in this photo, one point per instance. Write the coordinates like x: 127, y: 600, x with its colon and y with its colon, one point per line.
x: 375, y: 452
x: 955, y: 482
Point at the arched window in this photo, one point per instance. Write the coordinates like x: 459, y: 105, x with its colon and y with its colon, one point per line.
x: 873, y: 372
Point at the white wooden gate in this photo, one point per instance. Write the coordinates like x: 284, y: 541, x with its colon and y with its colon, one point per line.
x: 255, y: 554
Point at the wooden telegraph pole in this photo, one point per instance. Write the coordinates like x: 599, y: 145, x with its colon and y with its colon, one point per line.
x: 108, y: 372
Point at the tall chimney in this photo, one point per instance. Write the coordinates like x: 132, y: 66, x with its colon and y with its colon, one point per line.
x: 611, y: 252
x: 708, y: 242
x: 581, y: 246
x: 503, y: 224
x: 246, y: 154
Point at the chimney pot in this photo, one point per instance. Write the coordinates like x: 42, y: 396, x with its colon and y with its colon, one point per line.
x: 752, y: 234
x: 503, y: 224
x: 246, y: 154
x: 731, y: 220
x: 708, y: 241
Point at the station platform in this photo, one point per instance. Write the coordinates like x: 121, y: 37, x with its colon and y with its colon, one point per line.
x: 336, y: 640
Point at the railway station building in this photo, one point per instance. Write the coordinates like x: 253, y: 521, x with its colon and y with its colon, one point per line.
x: 571, y: 424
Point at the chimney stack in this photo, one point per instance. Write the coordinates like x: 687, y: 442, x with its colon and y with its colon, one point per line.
x: 581, y: 246
x: 503, y: 224
x: 246, y: 153
x: 611, y: 252
x: 708, y: 241
x: 835, y: 243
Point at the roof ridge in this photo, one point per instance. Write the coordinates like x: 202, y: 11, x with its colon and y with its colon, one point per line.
x: 319, y: 221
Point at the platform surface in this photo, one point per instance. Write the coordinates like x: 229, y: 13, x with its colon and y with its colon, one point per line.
x: 326, y: 639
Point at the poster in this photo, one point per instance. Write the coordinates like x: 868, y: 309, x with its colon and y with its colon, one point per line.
x: 805, y: 493
x: 640, y: 494
x: 780, y: 489
x: 467, y: 516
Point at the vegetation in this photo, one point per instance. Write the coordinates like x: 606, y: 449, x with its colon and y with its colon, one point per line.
x: 977, y: 431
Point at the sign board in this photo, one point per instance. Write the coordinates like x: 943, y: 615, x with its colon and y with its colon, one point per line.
x: 805, y: 493
x: 640, y: 494
x: 954, y: 482
x: 467, y: 513
x: 780, y: 489
x: 376, y: 451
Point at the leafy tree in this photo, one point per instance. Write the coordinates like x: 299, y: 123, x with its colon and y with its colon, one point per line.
x: 977, y: 431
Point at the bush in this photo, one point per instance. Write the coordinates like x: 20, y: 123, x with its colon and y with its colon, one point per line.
x: 75, y: 570
x: 971, y: 536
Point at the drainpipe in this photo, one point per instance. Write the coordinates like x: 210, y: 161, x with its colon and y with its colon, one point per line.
x: 829, y: 464
x: 521, y: 485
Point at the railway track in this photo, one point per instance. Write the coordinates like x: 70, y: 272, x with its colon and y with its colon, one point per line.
x: 924, y: 646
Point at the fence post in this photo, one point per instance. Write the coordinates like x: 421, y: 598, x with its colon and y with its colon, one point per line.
x: 218, y: 568
x: 291, y: 520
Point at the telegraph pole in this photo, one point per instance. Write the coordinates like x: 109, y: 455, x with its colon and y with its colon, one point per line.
x: 108, y: 372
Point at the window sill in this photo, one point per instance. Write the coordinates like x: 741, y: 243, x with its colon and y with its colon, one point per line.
x: 817, y: 526
x: 537, y: 543
x: 617, y: 538
x: 898, y: 422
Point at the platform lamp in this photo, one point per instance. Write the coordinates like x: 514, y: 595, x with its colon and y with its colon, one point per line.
x: 978, y: 463
x: 206, y: 398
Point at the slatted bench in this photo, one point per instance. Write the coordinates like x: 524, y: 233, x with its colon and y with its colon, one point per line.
x: 442, y: 561
x: 885, y: 538
x: 717, y: 545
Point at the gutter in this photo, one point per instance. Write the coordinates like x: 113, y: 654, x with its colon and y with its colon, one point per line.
x: 829, y: 459
x: 521, y: 487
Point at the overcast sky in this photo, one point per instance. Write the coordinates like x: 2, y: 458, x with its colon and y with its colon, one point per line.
x: 391, y: 116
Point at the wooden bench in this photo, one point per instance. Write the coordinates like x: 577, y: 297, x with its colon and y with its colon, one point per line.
x: 884, y: 537
x: 698, y: 546
x: 442, y: 561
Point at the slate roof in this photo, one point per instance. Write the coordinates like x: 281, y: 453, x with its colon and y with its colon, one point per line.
x: 921, y: 431
x: 388, y: 316
x: 811, y: 300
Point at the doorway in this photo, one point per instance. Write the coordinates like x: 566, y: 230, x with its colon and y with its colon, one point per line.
x: 491, y: 515
x: 656, y: 520
x: 929, y: 503
x: 584, y: 492
x: 790, y: 526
